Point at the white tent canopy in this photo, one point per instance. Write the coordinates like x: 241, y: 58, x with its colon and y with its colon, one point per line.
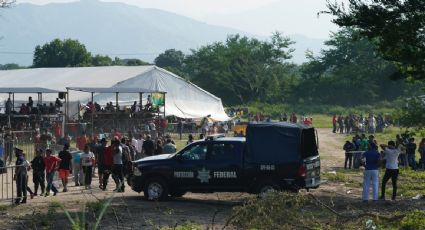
x: 183, y: 99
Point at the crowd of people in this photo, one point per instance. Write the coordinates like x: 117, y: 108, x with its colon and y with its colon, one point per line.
x: 359, y: 124
x: 92, y: 107
x: 111, y: 159
x: 394, y: 154
x: 30, y: 108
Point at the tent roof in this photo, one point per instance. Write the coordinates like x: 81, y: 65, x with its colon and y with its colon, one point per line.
x: 183, y: 98
x: 27, y: 90
x: 112, y: 90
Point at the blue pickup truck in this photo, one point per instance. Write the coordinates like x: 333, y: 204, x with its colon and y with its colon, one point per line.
x: 272, y: 156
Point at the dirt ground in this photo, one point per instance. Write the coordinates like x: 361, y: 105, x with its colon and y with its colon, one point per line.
x: 130, y: 211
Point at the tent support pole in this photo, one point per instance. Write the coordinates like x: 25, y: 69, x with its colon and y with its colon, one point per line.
x: 117, y: 110
x: 92, y: 115
x: 116, y: 102
x: 67, y: 105
x: 140, y: 100
x: 13, y: 101
x: 165, y: 121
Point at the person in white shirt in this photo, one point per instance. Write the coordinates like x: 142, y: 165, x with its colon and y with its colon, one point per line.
x: 391, y: 157
x: 87, y: 159
x: 139, y: 147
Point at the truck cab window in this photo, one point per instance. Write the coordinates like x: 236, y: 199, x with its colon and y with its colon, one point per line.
x: 223, y: 151
x: 196, y: 152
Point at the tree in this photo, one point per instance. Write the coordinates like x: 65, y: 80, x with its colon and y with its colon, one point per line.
x: 10, y: 66
x: 128, y: 62
x: 397, y: 27
x: 171, y: 58
x: 350, y: 72
x: 61, y: 53
x: 6, y: 3
x: 100, y: 60
x: 242, y: 69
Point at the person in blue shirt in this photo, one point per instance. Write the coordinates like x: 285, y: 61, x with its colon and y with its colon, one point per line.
x: 371, y: 174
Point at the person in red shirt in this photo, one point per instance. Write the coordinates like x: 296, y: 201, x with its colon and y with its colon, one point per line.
x: 334, y: 120
x: 307, y: 121
x: 108, y: 161
x: 81, y: 141
x: 57, y: 130
x: 51, y: 163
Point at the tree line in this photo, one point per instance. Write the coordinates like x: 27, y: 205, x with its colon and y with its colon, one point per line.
x: 378, y: 43
x: 349, y: 72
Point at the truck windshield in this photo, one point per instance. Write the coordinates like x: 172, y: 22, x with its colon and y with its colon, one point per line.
x: 308, y: 143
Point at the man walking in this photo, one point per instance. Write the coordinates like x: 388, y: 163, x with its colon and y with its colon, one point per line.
x: 21, y: 177
x: 87, y: 161
x: 108, y: 161
x: 51, y: 163
x: 65, y: 166
x: 117, y: 168
x: 76, y: 168
x: 38, y: 175
x: 100, y: 158
x: 391, y: 156
x: 371, y: 173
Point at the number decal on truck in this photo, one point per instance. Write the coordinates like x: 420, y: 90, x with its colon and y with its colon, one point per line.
x: 267, y: 167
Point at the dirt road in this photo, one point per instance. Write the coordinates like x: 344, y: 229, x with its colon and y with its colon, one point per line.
x: 130, y: 211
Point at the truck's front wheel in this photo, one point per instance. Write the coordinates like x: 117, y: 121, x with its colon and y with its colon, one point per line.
x: 155, y: 189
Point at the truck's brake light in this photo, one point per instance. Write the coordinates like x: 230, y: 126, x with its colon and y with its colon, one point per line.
x: 301, y: 171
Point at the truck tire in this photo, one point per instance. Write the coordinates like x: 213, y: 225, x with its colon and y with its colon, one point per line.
x: 155, y: 188
x: 266, y: 187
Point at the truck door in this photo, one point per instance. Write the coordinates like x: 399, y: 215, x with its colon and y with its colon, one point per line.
x: 224, y: 161
x: 189, y: 170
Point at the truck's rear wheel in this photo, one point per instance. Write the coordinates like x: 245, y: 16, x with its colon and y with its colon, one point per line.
x: 155, y: 189
x: 265, y: 188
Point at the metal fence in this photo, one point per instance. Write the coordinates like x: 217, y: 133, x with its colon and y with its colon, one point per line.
x: 8, y: 184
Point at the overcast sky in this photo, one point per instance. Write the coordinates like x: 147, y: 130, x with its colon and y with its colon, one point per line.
x: 260, y: 17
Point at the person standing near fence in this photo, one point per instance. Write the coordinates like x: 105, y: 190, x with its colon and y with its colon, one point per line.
x: 65, y: 166
x: 21, y: 177
x: 38, y: 175
x: 51, y: 163
x: 8, y: 146
x: 87, y: 162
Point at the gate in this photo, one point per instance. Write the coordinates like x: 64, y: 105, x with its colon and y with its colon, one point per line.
x: 8, y: 184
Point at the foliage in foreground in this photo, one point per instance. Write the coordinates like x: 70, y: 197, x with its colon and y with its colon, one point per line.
x: 298, y: 211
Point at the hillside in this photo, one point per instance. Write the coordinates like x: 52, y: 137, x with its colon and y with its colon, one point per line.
x: 115, y: 29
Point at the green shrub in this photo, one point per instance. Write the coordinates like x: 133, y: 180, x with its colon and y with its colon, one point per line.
x: 413, y: 221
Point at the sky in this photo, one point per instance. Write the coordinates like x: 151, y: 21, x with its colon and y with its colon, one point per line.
x: 260, y: 17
